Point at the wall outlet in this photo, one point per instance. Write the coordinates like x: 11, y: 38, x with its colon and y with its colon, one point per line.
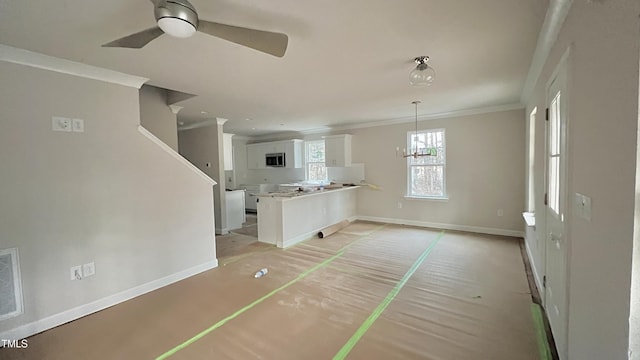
x: 399, y: 204
x: 76, y: 272
x: 60, y: 124
x: 500, y: 212
x: 89, y: 269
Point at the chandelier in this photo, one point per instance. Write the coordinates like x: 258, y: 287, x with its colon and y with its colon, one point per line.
x: 423, y: 152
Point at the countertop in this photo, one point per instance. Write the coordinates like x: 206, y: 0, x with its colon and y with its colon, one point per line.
x: 292, y: 195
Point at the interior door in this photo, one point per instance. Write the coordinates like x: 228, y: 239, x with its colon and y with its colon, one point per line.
x: 555, y: 295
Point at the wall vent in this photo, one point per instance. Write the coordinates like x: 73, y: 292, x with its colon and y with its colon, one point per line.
x: 10, y: 284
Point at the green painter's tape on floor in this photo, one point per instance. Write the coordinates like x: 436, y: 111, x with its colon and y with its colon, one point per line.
x: 385, y: 303
x: 541, y: 335
x: 254, y: 303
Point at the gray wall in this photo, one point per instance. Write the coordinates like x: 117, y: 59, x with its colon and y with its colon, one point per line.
x: 485, y: 158
x: 602, y: 143
x: 107, y: 195
x: 201, y: 146
x: 157, y: 117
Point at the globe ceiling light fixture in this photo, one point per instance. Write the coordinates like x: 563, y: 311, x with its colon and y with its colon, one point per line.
x: 423, y: 74
x: 424, y: 151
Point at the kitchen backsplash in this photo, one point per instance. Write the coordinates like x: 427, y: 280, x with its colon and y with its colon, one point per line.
x: 272, y: 176
x: 352, y: 174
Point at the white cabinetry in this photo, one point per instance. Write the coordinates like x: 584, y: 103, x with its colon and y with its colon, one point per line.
x: 228, y: 151
x: 291, y: 148
x: 337, y: 150
x: 293, y: 154
x: 273, y: 147
x: 236, y: 215
x: 255, y: 156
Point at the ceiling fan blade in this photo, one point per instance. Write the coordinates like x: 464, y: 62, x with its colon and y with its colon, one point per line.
x: 268, y: 42
x: 137, y: 40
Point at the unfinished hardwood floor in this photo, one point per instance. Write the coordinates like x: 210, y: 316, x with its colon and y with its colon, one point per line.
x: 370, y: 291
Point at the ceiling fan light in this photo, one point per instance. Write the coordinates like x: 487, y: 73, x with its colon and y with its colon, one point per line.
x: 176, y: 27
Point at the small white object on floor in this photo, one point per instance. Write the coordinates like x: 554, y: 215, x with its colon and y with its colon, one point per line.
x: 261, y: 273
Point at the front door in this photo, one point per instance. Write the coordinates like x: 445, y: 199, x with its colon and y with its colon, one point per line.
x: 555, y: 294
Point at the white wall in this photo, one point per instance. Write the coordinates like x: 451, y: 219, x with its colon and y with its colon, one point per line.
x: 485, y: 158
x: 602, y: 141
x: 157, y: 117
x: 108, y: 195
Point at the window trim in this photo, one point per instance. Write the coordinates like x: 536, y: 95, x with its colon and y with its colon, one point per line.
x: 444, y: 196
x: 307, y: 162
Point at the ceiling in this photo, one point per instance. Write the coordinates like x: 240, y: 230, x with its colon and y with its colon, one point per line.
x: 347, y: 61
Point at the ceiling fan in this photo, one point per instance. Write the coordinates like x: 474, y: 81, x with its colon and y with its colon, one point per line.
x: 179, y: 18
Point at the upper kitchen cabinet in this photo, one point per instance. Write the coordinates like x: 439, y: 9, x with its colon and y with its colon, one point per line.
x: 228, y: 151
x: 273, y: 147
x: 292, y: 150
x: 293, y: 153
x: 337, y: 150
x: 256, y: 156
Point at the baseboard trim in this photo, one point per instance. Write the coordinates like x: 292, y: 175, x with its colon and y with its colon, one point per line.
x: 474, y: 229
x: 534, y: 269
x: 308, y: 235
x: 50, y: 322
x: 297, y: 239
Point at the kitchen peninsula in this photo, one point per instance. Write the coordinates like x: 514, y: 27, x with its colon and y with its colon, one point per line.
x: 285, y: 219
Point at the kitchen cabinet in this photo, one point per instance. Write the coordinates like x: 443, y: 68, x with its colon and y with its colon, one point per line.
x: 227, y: 149
x: 337, y: 150
x: 293, y: 153
x: 273, y: 147
x: 255, y: 156
x: 291, y: 148
x: 236, y: 216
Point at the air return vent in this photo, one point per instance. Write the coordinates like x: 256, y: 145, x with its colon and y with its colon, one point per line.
x: 10, y: 286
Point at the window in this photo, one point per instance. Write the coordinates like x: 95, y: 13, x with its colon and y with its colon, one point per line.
x: 426, y: 174
x: 314, y: 161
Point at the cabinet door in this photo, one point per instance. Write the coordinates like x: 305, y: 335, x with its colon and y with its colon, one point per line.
x: 293, y: 153
x: 337, y: 150
x: 255, y: 156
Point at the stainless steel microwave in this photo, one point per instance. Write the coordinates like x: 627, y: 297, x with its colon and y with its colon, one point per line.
x: 275, y: 160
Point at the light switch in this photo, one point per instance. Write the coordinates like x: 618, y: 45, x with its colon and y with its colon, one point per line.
x: 77, y: 125
x: 60, y: 124
x: 583, y: 206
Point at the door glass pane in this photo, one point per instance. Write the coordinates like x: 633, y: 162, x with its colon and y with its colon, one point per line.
x: 554, y: 155
x: 554, y: 181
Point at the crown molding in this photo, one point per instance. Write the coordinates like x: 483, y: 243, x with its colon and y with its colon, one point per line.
x: 408, y: 119
x: 29, y: 58
x: 556, y: 14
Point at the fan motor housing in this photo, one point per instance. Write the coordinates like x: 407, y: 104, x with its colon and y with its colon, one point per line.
x: 177, y: 9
